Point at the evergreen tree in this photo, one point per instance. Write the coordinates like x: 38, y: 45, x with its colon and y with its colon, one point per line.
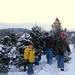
x: 37, y: 35
x: 56, y: 28
x: 13, y: 38
x: 6, y: 40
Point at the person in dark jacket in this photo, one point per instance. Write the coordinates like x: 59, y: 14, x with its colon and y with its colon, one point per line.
x: 61, y: 48
x: 49, y: 47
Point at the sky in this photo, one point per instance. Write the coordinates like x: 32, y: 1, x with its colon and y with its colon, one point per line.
x: 40, y: 11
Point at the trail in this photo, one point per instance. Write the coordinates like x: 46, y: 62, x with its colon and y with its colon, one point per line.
x: 45, y: 69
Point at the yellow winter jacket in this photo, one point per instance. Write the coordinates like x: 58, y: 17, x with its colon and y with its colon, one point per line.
x: 29, y: 54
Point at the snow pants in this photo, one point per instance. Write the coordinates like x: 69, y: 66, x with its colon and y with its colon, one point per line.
x: 30, y: 69
x: 60, y: 61
x: 49, y: 55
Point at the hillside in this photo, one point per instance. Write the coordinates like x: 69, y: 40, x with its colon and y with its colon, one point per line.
x: 4, y: 32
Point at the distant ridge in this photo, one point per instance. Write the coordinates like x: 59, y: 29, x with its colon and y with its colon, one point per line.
x: 6, y: 31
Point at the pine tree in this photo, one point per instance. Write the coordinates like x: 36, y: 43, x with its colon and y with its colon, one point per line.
x: 56, y: 28
x: 37, y: 35
x: 13, y: 38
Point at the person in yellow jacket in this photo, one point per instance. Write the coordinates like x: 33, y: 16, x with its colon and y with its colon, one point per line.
x: 29, y: 56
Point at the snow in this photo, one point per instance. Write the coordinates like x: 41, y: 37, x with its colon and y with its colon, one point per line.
x: 1, y: 47
x: 25, y: 35
x: 6, y: 36
x: 12, y: 53
x: 45, y: 69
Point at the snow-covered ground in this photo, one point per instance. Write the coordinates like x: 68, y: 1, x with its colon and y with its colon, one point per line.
x: 45, y: 69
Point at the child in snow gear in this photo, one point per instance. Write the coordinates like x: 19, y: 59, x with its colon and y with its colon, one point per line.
x: 49, y: 47
x: 29, y: 55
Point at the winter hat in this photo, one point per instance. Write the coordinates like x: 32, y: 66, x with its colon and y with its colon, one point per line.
x: 62, y: 33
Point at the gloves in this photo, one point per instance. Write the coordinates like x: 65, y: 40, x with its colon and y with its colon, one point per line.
x: 27, y: 61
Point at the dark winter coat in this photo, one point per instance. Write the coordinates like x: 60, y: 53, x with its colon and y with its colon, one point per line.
x: 61, y: 46
x: 48, y: 42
